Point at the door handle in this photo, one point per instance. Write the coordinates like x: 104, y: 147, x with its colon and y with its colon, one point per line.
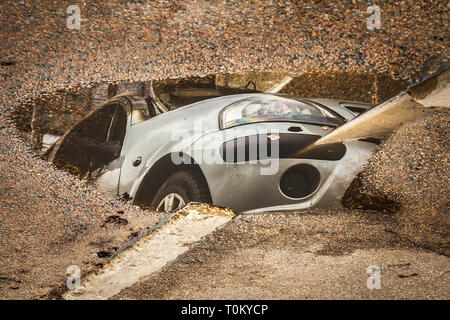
x: 137, y: 162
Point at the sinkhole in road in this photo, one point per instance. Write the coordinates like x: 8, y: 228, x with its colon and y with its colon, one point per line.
x: 97, y: 129
x: 45, y: 119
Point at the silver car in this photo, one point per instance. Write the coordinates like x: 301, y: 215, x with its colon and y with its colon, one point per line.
x: 248, y: 152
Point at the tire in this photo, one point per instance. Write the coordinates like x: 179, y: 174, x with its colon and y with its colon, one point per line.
x: 186, y: 184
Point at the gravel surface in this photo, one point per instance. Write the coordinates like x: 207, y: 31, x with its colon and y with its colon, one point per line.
x: 318, y: 254
x: 49, y: 219
x: 410, y: 172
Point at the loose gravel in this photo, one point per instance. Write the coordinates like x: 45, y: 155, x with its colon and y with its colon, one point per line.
x: 409, y: 175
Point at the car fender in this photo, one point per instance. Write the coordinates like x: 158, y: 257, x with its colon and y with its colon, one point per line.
x: 161, y: 152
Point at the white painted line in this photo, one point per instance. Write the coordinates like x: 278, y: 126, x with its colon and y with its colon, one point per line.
x: 153, y: 252
x: 279, y: 86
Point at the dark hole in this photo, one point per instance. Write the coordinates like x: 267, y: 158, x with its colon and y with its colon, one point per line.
x: 300, y: 181
x: 7, y: 63
x: 104, y: 254
x: 116, y: 220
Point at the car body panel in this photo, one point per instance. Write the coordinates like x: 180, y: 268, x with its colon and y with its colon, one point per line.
x: 243, y: 185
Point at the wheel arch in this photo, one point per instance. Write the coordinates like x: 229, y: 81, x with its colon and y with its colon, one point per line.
x: 161, y: 170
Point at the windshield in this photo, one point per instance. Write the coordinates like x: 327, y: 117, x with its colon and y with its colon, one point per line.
x: 274, y: 108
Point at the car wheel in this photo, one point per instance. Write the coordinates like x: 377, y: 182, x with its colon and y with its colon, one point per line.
x: 179, y: 189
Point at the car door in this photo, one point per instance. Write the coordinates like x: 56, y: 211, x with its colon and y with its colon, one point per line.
x: 134, y: 152
x: 93, y: 143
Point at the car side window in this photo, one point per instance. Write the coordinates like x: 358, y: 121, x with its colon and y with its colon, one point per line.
x: 81, y: 147
x: 118, y: 126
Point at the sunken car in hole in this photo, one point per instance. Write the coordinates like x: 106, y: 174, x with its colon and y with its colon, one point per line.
x: 248, y: 152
